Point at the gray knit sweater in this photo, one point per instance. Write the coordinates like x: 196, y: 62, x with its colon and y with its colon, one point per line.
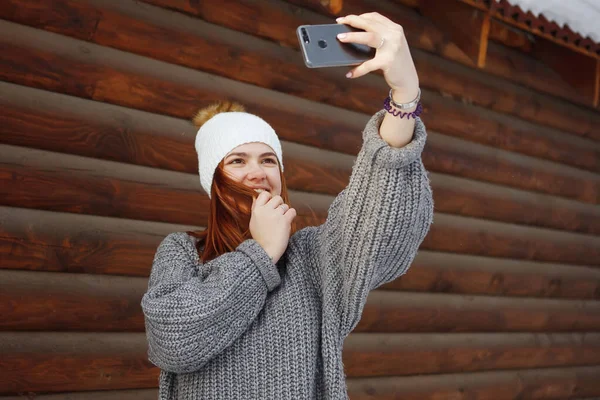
x: 240, y: 327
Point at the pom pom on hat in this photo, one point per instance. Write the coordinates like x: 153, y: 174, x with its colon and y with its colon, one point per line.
x: 208, y: 112
x: 223, y: 127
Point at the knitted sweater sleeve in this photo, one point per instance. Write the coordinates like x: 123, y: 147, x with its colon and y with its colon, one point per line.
x: 193, y: 312
x: 375, y: 226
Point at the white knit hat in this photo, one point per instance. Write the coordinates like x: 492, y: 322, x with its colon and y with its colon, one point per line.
x: 223, y: 133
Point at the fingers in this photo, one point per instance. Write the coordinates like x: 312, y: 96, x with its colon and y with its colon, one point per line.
x: 365, y: 68
x: 354, y: 21
x: 275, y: 202
x: 261, y: 199
x: 374, y: 16
x: 283, y: 208
x: 368, y: 38
x: 290, y: 215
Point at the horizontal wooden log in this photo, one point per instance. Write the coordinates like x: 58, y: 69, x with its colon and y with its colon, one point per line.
x: 111, y: 189
x: 105, y: 303
x: 466, y: 197
x: 498, y: 239
x: 370, y: 355
x: 91, y: 129
x: 420, y: 312
x: 452, y: 388
x: 477, y: 162
x: 63, y: 242
x: 422, y: 35
x: 488, y: 128
x: 71, y: 302
x: 44, y: 120
x: 408, y: 3
x: 52, y: 362
x: 135, y: 24
x: 332, y: 7
x: 326, y: 127
x: 457, y: 273
x: 538, y: 384
x: 133, y: 394
x: 114, y: 190
x: 42, y: 241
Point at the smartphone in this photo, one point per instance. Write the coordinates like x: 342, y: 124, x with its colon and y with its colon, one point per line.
x: 321, y: 48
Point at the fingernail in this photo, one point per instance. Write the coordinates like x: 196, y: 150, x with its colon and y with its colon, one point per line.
x: 339, y: 19
x: 349, y: 75
x: 341, y: 35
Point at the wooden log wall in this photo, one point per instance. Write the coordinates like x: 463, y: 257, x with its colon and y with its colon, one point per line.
x: 97, y: 165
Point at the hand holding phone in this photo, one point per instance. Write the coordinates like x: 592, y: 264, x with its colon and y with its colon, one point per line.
x: 321, y: 48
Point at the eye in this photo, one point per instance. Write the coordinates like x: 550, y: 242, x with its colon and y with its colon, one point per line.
x: 270, y: 160
x: 236, y: 161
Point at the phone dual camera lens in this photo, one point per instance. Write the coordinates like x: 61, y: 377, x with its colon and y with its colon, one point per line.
x: 305, y: 36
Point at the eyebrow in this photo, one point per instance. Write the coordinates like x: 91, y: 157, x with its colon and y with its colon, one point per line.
x: 246, y: 154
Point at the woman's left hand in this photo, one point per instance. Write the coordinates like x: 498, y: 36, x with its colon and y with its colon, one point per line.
x: 392, y: 55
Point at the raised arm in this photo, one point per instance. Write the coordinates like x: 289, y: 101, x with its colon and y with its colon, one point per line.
x: 192, y: 314
x: 375, y: 225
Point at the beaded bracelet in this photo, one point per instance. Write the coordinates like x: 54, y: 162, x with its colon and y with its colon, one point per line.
x: 388, y: 103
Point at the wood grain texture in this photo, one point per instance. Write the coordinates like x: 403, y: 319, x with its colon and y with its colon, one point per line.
x: 323, y: 126
x: 508, y: 64
x: 47, y: 362
x: 332, y: 7
x: 456, y: 273
x: 460, y: 22
x: 68, y: 183
x: 536, y: 384
x: 55, y: 122
x: 118, y: 78
x: 51, y: 301
x: 420, y: 32
x: 359, y: 386
x: 39, y: 180
x: 370, y: 355
x: 63, y: 242
x: 112, y: 304
x: 457, y: 157
x: 434, y: 72
x: 274, y: 67
x: 50, y: 362
x: 427, y: 312
x: 467, y: 197
x: 576, y: 68
x: 133, y: 394
x: 497, y: 239
x: 41, y: 241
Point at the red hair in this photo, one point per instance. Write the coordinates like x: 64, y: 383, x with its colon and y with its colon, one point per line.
x: 229, y: 215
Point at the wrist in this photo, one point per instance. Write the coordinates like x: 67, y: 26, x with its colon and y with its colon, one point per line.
x: 273, y: 255
x: 404, y: 95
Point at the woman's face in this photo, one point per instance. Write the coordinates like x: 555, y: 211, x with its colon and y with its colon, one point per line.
x: 254, y: 165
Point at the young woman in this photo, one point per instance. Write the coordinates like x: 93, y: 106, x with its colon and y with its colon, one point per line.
x: 243, y: 310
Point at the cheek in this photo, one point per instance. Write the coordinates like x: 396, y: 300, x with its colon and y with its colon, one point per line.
x: 274, y: 178
x: 235, y: 174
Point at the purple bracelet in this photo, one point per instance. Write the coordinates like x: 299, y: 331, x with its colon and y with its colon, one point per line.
x: 398, y: 113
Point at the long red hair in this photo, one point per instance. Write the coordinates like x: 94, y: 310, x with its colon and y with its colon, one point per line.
x: 230, y: 210
x: 230, y: 201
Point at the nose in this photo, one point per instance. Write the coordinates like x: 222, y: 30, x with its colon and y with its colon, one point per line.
x: 256, y: 173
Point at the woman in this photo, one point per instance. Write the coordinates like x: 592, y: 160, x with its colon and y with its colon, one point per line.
x: 243, y: 310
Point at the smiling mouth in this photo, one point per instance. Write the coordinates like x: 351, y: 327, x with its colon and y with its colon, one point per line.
x: 261, y: 190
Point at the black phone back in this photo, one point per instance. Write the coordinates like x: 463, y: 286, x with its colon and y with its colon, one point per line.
x: 321, y: 48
